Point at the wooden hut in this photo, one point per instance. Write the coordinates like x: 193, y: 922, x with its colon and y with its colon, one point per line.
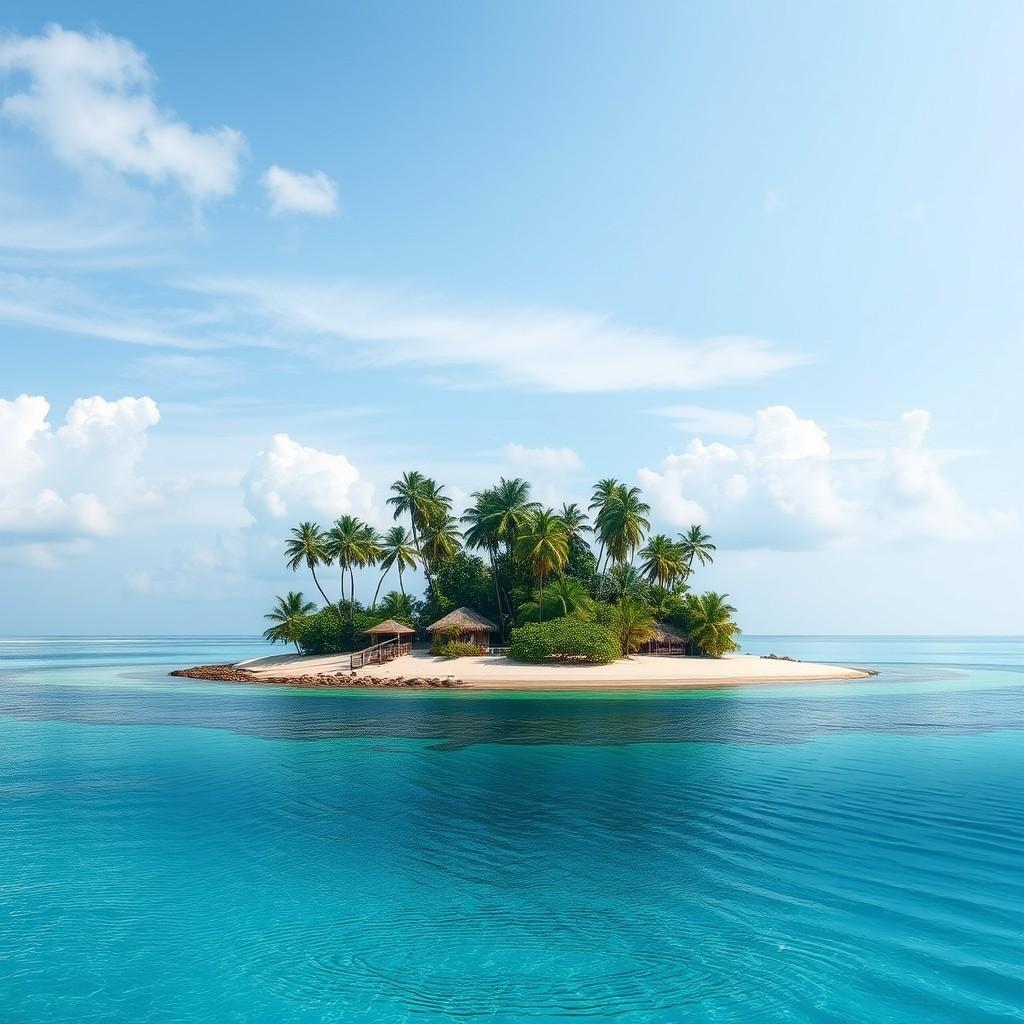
x: 389, y: 629
x: 472, y: 627
x: 665, y: 640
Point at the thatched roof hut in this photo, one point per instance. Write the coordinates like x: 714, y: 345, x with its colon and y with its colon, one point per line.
x: 472, y: 627
x: 665, y: 639
x: 463, y: 618
x: 389, y: 627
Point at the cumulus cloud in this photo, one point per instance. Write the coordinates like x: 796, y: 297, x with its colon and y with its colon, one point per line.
x: 294, y: 192
x: 548, y: 350
x: 286, y: 483
x: 787, y: 488
x: 290, y: 481
x: 60, y: 487
x: 91, y: 98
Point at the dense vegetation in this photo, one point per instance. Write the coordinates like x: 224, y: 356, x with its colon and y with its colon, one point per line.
x: 566, y: 639
x: 563, y: 574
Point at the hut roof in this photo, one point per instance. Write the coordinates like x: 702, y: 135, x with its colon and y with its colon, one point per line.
x: 664, y: 633
x: 463, y: 618
x: 390, y: 627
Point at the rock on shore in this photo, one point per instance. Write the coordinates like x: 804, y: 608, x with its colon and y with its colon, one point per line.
x: 231, y: 674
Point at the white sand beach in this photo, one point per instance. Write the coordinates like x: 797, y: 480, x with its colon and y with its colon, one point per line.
x: 637, y: 672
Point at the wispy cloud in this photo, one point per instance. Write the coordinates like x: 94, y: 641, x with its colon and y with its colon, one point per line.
x: 538, y: 349
x: 197, y: 370
x: 58, y: 305
x: 545, y: 461
x: 348, y: 325
x: 699, y: 419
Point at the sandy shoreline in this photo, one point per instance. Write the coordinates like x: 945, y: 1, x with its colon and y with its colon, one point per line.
x: 497, y: 673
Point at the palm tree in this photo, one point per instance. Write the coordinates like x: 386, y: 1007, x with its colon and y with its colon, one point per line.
x: 396, y: 549
x: 622, y: 523
x: 710, y: 624
x: 544, y: 543
x: 512, y: 510
x: 413, y: 496
x: 438, y: 503
x: 667, y: 604
x: 441, y: 538
x: 495, y: 519
x: 663, y: 560
x: 576, y: 524
x: 287, y: 616
x: 697, y: 544
x: 481, y: 533
x: 634, y: 624
x: 480, y: 520
x: 624, y: 581
x: 347, y: 543
x: 566, y: 596
x: 307, y: 544
x: 600, y: 498
x: 370, y: 546
x: 398, y: 606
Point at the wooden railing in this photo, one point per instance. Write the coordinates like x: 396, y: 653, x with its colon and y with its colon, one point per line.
x: 379, y: 654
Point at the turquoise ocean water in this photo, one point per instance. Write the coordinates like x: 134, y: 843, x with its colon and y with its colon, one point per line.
x: 173, y: 851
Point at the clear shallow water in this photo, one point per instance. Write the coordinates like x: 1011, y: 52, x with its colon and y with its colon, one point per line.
x: 177, y: 851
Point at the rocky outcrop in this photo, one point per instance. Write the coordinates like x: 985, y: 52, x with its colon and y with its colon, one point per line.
x: 218, y: 673
x: 231, y: 674
x: 786, y: 657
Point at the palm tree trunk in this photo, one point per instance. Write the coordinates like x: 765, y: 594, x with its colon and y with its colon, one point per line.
x: 377, y: 591
x: 416, y: 543
x: 497, y: 594
x: 540, y: 608
x: 312, y: 569
x: 401, y: 585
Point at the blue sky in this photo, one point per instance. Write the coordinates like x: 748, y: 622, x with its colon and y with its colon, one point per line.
x: 764, y: 261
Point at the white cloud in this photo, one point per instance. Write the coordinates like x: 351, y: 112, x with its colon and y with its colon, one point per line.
x: 780, y: 434
x: 698, y: 419
x: 290, y: 481
x: 285, y: 484
x: 294, y: 192
x: 58, y: 487
x: 543, y: 461
x: 787, y: 488
x: 90, y: 97
x: 200, y: 371
x: 547, y: 350
x: 59, y: 304
x: 549, y: 470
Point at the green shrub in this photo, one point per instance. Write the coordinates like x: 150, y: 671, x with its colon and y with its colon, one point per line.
x: 323, y: 632
x: 459, y: 649
x: 334, y: 630
x: 566, y: 640
x: 443, y: 638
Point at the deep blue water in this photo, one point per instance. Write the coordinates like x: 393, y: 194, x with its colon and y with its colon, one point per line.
x: 176, y: 851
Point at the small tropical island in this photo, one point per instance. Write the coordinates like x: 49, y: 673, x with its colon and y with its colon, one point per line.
x: 517, y: 596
